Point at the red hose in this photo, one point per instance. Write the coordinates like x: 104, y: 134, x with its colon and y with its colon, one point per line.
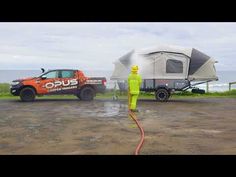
x: 133, y: 116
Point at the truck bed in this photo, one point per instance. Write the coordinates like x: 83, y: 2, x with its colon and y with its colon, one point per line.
x: 98, y: 83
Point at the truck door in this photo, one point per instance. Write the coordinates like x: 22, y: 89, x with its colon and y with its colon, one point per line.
x: 69, y: 82
x: 47, y: 83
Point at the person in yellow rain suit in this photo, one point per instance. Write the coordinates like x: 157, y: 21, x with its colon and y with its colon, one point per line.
x: 134, y: 83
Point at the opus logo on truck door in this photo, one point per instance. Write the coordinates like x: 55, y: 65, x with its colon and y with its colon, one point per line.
x: 56, y: 84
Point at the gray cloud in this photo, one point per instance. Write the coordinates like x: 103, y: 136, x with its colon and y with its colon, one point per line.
x: 97, y: 45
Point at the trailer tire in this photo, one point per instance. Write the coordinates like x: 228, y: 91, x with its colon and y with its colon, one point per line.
x: 162, y: 95
x: 27, y: 94
x: 86, y: 94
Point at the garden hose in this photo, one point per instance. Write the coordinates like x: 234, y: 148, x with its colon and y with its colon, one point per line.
x: 133, y: 116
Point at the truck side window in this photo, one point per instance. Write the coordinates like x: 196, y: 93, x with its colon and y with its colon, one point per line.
x: 51, y: 75
x: 67, y: 74
x: 174, y: 66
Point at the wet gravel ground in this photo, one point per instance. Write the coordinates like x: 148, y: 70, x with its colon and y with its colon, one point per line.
x: 180, y: 126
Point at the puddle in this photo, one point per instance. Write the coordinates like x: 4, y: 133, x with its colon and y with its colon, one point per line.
x: 106, y: 109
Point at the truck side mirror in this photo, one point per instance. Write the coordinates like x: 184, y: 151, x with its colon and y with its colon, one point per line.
x: 43, y: 70
x: 44, y: 77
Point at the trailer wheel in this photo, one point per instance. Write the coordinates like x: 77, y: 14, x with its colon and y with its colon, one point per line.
x: 27, y: 94
x: 162, y: 95
x: 87, y: 94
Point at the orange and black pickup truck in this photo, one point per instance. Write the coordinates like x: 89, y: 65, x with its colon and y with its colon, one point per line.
x: 56, y: 82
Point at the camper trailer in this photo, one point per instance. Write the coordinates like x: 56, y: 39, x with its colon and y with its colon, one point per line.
x: 166, y: 69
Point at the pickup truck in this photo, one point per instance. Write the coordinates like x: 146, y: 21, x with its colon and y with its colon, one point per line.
x: 56, y: 82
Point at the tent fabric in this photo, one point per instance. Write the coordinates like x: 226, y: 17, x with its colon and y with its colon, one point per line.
x: 166, y: 62
x: 207, y: 69
x: 125, y: 60
x: 167, y: 48
x: 197, y: 60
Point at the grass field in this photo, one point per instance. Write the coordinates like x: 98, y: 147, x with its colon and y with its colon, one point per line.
x: 5, y: 94
x: 4, y: 90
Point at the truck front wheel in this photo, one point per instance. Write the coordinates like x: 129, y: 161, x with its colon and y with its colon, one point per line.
x: 87, y: 94
x: 27, y: 94
x: 162, y: 95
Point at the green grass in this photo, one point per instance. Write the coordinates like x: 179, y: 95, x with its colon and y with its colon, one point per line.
x: 185, y: 94
x: 231, y: 93
x: 5, y: 94
x: 5, y: 90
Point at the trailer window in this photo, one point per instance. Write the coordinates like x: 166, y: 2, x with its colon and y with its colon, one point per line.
x: 174, y: 66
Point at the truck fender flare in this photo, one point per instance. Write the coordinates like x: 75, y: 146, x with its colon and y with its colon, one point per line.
x: 24, y: 86
x: 86, y: 85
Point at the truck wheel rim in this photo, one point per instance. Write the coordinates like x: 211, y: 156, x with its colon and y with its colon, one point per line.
x: 28, y: 94
x: 88, y: 94
x: 161, y: 95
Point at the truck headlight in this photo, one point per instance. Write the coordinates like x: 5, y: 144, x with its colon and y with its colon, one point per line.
x: 15, y: 83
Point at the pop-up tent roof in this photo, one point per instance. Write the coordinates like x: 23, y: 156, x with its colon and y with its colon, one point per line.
x: 166, y: 62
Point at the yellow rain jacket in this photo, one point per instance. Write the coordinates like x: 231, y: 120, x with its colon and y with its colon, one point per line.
x: 134, y: 82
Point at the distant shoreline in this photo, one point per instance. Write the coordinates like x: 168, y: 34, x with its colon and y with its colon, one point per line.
x: 7, y: 75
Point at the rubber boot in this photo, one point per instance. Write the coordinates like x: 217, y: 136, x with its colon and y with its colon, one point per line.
x: 134, y: 110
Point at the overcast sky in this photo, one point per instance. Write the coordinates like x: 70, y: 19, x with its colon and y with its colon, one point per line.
x: 89, y: 46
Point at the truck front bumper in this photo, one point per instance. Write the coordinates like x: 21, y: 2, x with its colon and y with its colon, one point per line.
x: 15, y: 89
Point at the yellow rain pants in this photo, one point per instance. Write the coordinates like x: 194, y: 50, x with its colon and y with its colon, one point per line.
x: 134, y: 83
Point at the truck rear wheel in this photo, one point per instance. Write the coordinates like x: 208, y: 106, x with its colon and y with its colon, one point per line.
x: 162, y: 95
x: 27, y: 94
x: 78, y: 96
x: 87, y: 94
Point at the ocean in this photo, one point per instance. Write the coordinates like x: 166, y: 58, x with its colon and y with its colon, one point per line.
x: 6, y: 76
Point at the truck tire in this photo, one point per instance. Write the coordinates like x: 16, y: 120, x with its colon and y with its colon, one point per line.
x: 78, y: 96
x: 87, y: 94
x: 162, y: 95
x: 27, y: 94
